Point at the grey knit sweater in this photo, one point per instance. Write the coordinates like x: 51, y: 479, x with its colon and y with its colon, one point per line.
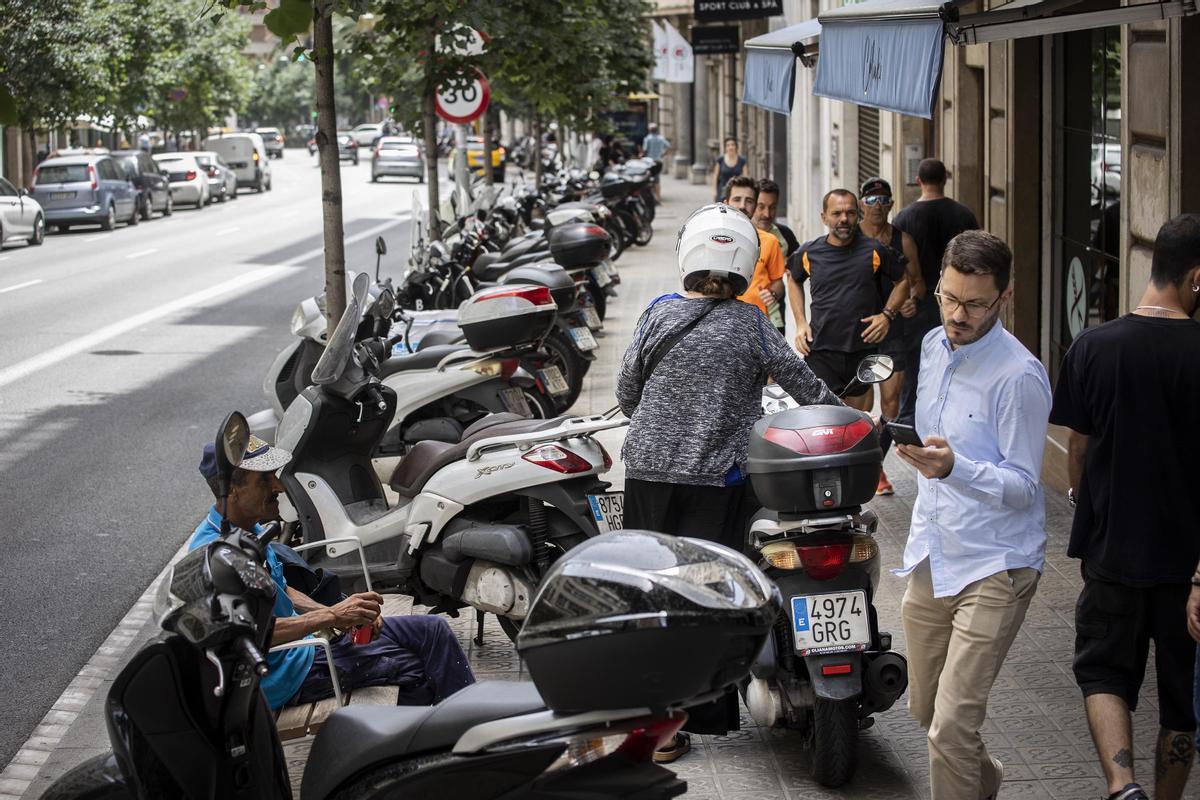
x: 690, y: 422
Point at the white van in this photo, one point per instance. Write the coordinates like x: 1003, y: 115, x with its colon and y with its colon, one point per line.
x: 246, y: 155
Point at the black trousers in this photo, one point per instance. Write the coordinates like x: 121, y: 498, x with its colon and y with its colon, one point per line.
x: 718, y: 514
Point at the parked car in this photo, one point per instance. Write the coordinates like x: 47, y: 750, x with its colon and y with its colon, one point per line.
x: 87, y: 189
x: 272, y: 140
x: 189, y: 180
x: 368, y: 133
x: 475, y: 157
x: 222, y: 182
x: 347, y: 147
x: 397, y: 155
x: 246, y: 155
x: 154, y: 191
x: 21, y: 216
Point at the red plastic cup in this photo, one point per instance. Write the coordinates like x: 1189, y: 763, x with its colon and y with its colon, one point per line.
x: 362, y: 634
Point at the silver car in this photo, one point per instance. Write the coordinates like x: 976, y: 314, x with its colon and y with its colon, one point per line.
x: 222, y: 180
x: 84, y: 189
x: 21, y: 216
x: 189, y: 181
x: 397, y: 155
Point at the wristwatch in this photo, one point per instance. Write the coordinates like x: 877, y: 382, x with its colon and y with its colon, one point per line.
x: 887, y: 312
x: 1071, y: 499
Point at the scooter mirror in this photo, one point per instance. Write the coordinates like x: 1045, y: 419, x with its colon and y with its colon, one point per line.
x: 231, y: 443
x: 875, y: 369
x: 380, y: 246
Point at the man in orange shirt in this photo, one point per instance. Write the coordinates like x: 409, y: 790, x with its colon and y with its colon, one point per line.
x: 766, y: 287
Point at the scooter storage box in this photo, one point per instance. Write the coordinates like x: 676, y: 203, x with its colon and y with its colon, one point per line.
x: 814, y: 459
x: 507, y: 316
x: 634, y: 619
x: 580, y: 244
x: 560, y: 283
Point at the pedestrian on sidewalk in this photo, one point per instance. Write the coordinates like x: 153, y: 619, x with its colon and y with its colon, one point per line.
x: 730, y: 165
x: 1127, y: 390
x: 766, y: 287
x: 977, y: 541
x: 656, y: 146
x: 765, y: 220
x: 932, y: 222
x: 849, y: 321
x: 876, y: 206
x: 419, y: 654
x: 691, y: 383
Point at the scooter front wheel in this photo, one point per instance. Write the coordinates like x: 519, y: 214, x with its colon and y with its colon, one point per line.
x: 98, y: 778
x: 835, y: 741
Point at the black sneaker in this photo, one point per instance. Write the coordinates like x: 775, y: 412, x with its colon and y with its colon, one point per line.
x: 1131, y: 792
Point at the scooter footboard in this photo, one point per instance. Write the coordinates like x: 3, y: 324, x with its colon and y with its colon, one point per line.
x: 836, y: 676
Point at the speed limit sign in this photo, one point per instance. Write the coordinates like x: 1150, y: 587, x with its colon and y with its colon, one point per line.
x: 464, y: 104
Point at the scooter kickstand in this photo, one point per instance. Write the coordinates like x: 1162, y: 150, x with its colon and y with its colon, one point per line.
x: 479, y: 627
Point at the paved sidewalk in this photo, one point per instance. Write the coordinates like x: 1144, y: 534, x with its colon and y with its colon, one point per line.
x: 1036, y: 723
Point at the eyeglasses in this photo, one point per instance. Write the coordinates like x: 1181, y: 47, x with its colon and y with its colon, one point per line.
x: 878, y: 200
x: 950, y: 305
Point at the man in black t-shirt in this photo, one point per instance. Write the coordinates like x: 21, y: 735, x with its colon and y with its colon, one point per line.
x: 932, y: 222
x: 1128, y: 391
x: 847, y: 322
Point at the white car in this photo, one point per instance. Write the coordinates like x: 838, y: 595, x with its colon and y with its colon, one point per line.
x: 366, y: 134
x: 189, y: 180
x: 21, y: 216
x: 246, y: 155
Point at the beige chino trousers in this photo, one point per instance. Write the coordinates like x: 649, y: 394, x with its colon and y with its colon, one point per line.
x: 955, y: 648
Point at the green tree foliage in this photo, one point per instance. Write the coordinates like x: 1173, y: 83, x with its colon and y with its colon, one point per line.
x: 281, y: 95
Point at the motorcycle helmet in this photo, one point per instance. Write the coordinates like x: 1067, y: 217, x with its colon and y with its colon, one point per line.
x: 717, y: 239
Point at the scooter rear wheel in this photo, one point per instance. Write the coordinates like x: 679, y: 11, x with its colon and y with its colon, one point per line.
x: 835, y: 741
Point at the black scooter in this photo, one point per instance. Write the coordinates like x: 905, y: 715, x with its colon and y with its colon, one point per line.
x: 828, y: 666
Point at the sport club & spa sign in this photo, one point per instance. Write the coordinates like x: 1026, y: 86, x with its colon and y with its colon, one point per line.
x: 724, y: 10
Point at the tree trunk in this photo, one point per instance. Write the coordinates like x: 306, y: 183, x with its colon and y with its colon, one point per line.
x: 429, y: 126
x: 331, y: 176
x: 489, y: 172
x: 537, y: 151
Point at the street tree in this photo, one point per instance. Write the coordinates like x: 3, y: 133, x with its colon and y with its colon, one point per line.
x: 282, y: 94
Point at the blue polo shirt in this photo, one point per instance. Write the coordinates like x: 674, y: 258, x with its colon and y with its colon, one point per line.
x: 287, y: 667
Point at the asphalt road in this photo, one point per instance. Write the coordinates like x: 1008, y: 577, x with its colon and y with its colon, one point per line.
x: 122, y: 353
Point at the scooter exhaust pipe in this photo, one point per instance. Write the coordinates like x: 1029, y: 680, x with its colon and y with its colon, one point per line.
x: 885, y: 680
x: 764, y: 702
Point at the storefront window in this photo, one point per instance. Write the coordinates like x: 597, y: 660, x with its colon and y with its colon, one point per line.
x: 1087, y: 197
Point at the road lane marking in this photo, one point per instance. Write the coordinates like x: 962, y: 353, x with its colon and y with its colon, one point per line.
x: 5, y: 258
x: 96, y: 238
x: 23, y: 369
x: 141, y: 253
x: 20, y: 286
x: 224, y: 231
x: 358, y: 237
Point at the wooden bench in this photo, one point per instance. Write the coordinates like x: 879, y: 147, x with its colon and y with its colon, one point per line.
x: 295, y: 722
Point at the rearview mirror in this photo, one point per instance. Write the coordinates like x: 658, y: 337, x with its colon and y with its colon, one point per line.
x: 875, y: 369
x: 380, y: 246
x: 229, y: 449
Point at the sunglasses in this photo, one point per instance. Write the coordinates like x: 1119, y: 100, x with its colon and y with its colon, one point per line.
x: 878, y: 200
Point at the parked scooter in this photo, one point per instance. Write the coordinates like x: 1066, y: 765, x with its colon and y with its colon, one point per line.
x: 478, y: 521
x: 827, y: 667
x: 186, y: 719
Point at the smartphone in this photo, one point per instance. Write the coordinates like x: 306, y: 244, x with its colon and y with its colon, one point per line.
x: 904, y: 434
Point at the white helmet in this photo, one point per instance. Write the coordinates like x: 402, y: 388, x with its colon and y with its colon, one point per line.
x: 721, y: 240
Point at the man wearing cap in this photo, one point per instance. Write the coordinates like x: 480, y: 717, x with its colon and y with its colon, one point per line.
x: 875, y: 205
x: 419, y: 654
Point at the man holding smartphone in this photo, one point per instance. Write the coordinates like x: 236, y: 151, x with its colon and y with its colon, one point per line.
x: 977, y: 541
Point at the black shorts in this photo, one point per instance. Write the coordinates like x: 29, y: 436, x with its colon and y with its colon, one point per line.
x: 837, y: 369
x: 1114, y: 624
x: 895, y: 345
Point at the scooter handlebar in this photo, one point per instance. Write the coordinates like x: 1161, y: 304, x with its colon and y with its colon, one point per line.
x: 251, y: 655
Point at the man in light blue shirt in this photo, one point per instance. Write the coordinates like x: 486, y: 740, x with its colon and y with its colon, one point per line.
x: 655, y: 146
x: 977, y: 541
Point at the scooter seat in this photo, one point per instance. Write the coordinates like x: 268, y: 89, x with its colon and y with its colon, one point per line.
x: 485, y: 260
x: 428, y: 358
x: 427, y: 457
x: 357, y: 737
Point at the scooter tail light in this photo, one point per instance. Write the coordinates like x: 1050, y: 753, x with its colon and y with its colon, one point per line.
x: 556, y: 458
x: 640, y: 744
x: 781, y: 555
x: 508, y: 366
x: 863, y: 549
x: 820, y: 440
x: 595, y: 230
x: 823, y: 562
x: 537, y: 295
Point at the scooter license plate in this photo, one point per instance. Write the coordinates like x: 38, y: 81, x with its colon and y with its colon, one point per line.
x: 514, y: 400
x: 600, y: 275
x: 591, y: 318
x: 583, y: 338
x: 831, y: 623
x: 608, y: 510
x: 553, y: 380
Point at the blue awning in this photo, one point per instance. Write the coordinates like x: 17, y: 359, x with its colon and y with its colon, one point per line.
x: 883, y: 53
x: 770, y: 76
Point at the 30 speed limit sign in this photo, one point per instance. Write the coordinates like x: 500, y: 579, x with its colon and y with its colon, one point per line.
x: 464, y: 104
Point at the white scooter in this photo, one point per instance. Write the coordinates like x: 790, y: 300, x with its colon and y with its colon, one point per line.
x: 478, y: 522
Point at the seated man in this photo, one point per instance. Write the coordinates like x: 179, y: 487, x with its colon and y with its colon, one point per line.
x: 417, y: 653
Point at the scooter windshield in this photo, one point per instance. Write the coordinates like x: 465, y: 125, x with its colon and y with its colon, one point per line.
x: 341, y: 345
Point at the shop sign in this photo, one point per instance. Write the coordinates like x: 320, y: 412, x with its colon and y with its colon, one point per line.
x: 725, y: 10
x: 716, y: 41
